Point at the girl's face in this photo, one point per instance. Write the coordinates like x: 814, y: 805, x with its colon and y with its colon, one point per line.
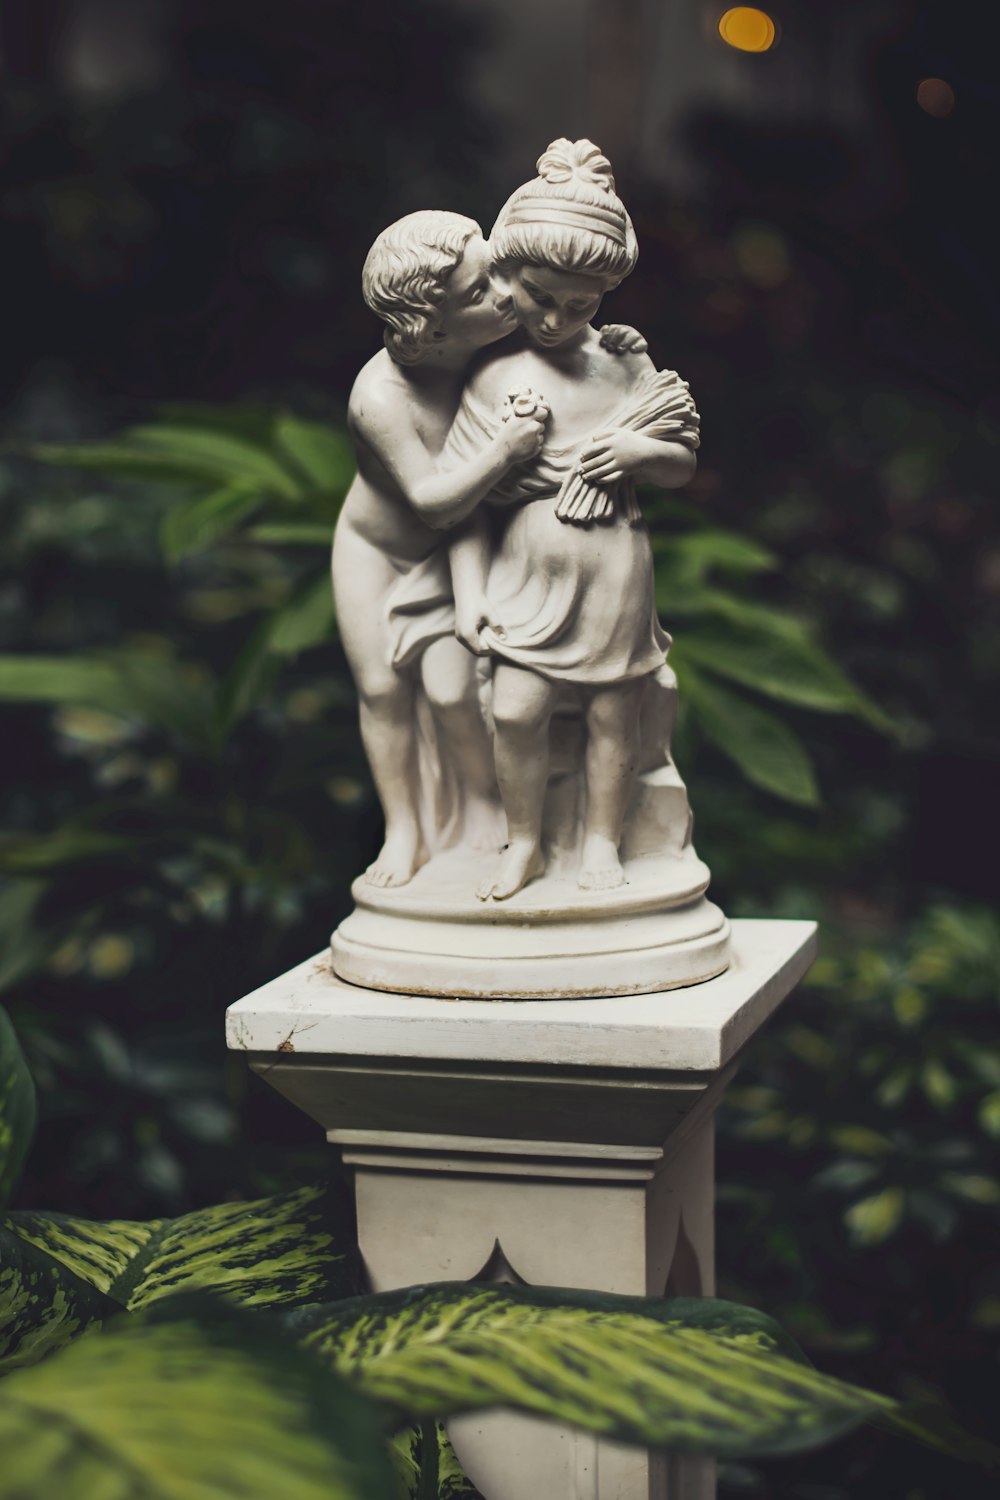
x: 476, y: 310
x: 554, y: 306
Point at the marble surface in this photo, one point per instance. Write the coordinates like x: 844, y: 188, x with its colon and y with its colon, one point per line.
x: 700, y: 1027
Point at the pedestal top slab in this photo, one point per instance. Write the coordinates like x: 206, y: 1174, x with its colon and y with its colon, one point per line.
x: 700, y: 1028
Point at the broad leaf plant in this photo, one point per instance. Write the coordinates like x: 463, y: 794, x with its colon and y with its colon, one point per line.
x: 228, y: 1353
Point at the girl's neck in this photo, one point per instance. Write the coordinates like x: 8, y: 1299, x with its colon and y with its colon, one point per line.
x: 570, y: 354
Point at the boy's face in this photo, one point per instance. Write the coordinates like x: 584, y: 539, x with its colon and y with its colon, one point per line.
x: 476, y: 310
x: 554, y: 306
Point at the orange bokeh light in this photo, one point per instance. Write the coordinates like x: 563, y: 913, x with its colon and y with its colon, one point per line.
x: 936, y: 97
x: 747, y: 29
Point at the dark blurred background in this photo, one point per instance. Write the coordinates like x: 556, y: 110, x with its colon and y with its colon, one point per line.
x: 188, y: 192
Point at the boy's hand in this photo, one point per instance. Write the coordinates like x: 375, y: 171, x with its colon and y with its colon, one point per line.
x: 621, y: 338
x: 472, y: 616
x: 610, y: 455
x: 522, y: 425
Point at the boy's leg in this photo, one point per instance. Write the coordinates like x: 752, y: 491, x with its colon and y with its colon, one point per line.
x: 522, y: 708
x: 361, y: 579
x: 451, y: 683
x: 386, y: 711
x: 611, y: 759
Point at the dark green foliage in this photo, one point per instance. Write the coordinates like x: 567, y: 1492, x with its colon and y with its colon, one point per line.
x: 865, y: 1129
x: 194, y: 1400
x: 18, y: 1111
x: 273, y: 1252
x: 693, y: 1375
x: 43, y: 1304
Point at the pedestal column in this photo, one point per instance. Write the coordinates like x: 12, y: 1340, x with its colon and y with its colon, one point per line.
x: 562, y: 1143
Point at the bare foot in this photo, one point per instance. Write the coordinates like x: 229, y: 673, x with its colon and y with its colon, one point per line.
x: 520, y: 862
x: 484, y: 824
x: 600, y: 867
x: 398, y: 861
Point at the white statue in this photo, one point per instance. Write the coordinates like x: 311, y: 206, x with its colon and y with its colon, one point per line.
x: 428, y: 276
x: 494, y: 586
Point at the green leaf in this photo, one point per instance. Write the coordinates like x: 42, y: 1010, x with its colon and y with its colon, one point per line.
x: 453, y: 1482
x: 693, y: 1376
x: 292, y: 533
x: 192, y: 525
x: 427, y: 1466
x: 404, y: 1455
x: 60, y: 679
x: 792, y: 670
x: 152, y: 690
x: 243, y: 419
x: 874, y: 1219
x: 24, y: 854
x: 306, y: 621
x: 989, y: 1114
x: 205, y: 1403
x: 18, y: 1110
x: 695, y: 553
x: 128, y: 460
x: 323, y: 453
x: 226, y: 455
x: 975, y: 1186
x: 934, y: 1426
x: 249, y: 678
x: 762, y: 618
x: 766, y: 751
x: 42, y: 1304
x: 281, y: 1251
x: 24, y: 944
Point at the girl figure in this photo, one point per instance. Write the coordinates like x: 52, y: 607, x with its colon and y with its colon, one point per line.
x: 557, y: 583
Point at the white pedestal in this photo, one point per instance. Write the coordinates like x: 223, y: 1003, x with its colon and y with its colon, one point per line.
x: 556, y: 1143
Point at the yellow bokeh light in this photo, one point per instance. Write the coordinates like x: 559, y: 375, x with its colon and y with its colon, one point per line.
x: 747, y: 29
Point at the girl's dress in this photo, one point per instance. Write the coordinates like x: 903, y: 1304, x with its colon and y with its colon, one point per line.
x: 571, y: 576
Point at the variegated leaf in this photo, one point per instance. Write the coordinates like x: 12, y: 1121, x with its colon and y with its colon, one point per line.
x: 282, y: 1251
x: 427, y: 1466
x: 42, y: 1304
x: 17, y: 1107
x: 687, y: 1374
x: 190, y: 1402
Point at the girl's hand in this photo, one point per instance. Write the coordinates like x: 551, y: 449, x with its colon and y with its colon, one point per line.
x: 610, y: 455
x: 622, y: 338
x: 471, y: 616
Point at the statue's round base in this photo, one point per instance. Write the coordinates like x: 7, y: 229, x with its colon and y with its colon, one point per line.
x: 550, y: 941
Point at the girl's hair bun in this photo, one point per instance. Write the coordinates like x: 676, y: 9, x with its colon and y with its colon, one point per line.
x: 579, y: 161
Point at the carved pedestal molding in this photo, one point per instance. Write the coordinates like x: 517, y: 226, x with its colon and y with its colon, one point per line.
x: 555, y: 1143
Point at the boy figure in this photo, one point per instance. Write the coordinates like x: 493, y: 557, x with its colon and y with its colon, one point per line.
x: 428, y: 278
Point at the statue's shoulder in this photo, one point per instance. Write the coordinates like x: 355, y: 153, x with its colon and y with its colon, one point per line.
x: 377, y: 395
x: 633, y: 365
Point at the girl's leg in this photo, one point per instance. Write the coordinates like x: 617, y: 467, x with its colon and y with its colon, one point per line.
x: 522, y: 708
x: 611, y: 760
